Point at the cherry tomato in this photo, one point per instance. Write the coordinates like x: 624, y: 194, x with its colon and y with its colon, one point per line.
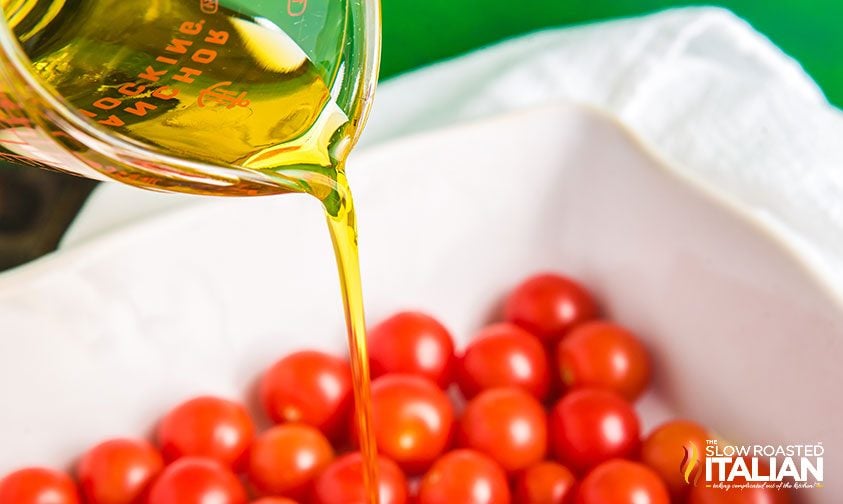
x: 118, y: 471
x: 545, y: 483
x: 605, y: 355
x: 309, y: 387
x: 274, y: 500
x: 664, y: 449
x: 412, y: 343
x: 413, y: 420
x: 622, y: 482
x: 504, y: 355
x: 285, y: 459
x: 702, y: 495
x: 38, y: 486
x: 467, y: 477
x: 590, y: 426
x: 507, y: 424
x: 191, y: 480
x: 342, y: 482
x: 548, y: 305
x: 207, y: 427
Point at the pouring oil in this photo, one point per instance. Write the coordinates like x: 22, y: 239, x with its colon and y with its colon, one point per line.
x: 251, y: 97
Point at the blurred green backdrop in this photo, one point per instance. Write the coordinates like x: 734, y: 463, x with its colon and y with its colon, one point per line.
x: 420, y: 32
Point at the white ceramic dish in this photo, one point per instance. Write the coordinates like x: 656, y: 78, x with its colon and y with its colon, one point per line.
x: 99, y: 340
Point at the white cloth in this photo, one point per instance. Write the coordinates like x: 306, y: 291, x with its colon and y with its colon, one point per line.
x: 717, y: 100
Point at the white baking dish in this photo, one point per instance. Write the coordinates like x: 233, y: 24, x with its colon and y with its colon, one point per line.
x: 99, y: 339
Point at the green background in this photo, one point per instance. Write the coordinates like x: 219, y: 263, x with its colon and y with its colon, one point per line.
x: 418, y: 32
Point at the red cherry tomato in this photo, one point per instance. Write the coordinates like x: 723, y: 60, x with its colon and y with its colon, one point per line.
x: 412, y: 343
x: 274, y: 500
x: 545, y: 483
x: 590, y: 426
x: 309, y: 387
x: 604, y: 355
x: 413, y: 420
x: 622, y: 482
x: 342, y: 482
x: 467, y: 477
x: 702, y: 495
x: 504, y: 355
x: 549, y: 305
x: 38, y: 486
x: 664, y: 449
x: 207, y: 427
x: 507, y: 424
x: 192, y: 480
x: 285, y: 459
x: 118, y: 471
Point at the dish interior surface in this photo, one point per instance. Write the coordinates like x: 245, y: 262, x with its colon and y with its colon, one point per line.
x: 99, y: 340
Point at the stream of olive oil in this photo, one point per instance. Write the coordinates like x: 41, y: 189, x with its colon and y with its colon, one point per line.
x: 252, y: 106
x: 343, y: 228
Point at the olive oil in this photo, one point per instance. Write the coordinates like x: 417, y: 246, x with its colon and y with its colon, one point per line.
x: 231, y: 90
x: 224, y: 98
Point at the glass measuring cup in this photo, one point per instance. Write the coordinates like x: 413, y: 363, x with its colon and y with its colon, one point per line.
x: 222, y: 97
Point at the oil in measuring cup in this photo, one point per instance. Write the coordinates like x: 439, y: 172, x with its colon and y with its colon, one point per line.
x: 260, y: 86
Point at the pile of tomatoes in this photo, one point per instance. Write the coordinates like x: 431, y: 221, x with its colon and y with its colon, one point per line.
x: 536, y: 410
